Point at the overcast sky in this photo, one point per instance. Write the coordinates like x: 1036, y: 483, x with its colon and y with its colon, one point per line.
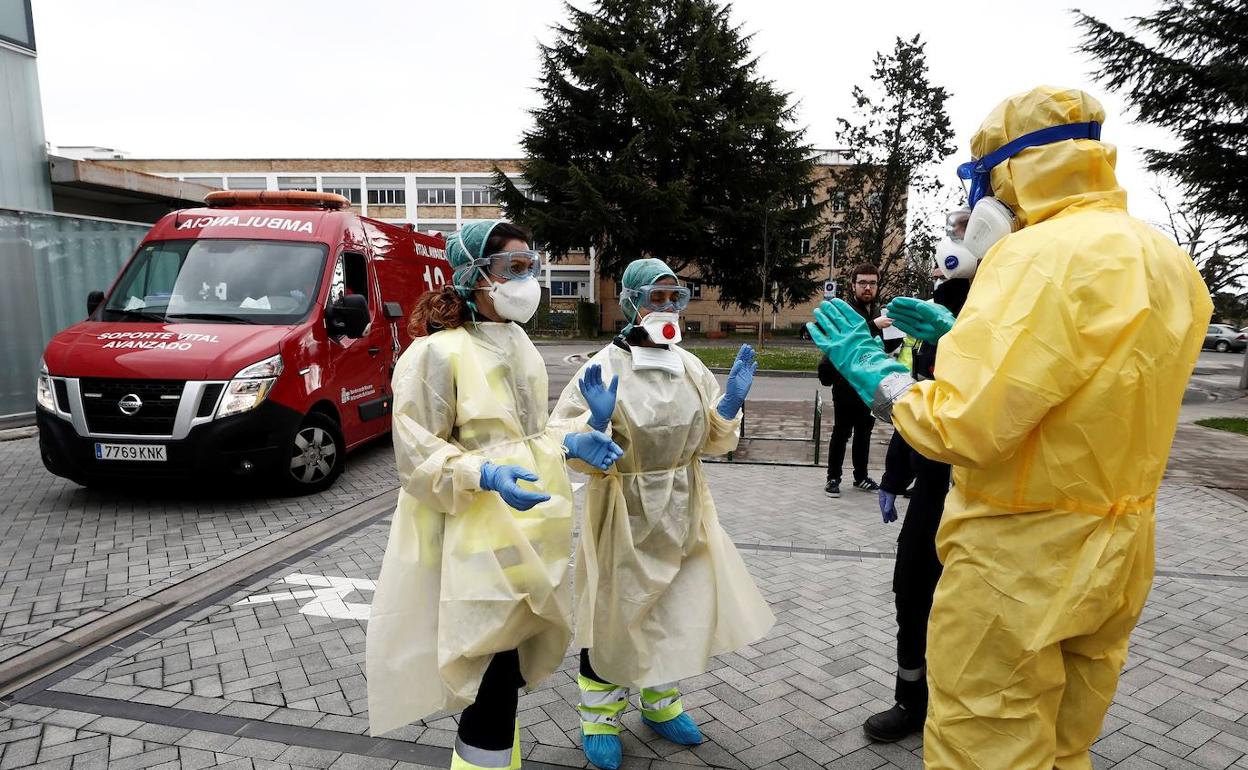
x: 386, y: 78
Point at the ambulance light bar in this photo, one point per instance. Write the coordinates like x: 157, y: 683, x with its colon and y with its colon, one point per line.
x: 261, y: 198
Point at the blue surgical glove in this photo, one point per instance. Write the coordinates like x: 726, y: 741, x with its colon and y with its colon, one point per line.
x: 594, y: 448
x: 842, y: 335
x: 601, y: 399
x: 740, y: 378
x: 888, y: 506
x: 925, y: 321
x: 502, y: 479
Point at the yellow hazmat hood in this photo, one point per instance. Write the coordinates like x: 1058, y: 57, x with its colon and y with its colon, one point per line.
x: 1041, y: 182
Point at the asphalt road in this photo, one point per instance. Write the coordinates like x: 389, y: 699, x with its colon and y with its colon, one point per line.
x: 1215, y: 371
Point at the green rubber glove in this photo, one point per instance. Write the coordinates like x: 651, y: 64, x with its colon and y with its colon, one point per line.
x: 925, y: 321
x: 843, y: 337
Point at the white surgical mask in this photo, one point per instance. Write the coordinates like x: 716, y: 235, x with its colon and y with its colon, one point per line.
x: 515, y: 300
x: 990, y: 221
x: 665, y: 359
x: 663, y: 328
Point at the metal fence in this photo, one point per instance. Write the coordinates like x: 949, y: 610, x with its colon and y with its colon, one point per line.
x: 48, y: 264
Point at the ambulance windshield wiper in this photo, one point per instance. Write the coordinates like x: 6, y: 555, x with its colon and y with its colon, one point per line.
x: 142, y: 315
x: 229, y: 319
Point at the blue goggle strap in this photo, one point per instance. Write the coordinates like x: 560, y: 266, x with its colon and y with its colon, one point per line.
x: 979, y: 171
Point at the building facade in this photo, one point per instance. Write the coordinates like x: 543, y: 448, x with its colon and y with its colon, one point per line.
x: 23, y: 157
x: 441, y: 195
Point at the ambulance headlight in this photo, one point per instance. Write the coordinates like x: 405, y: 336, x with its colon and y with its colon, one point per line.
x: 250, y: 387
x: 44, y: 394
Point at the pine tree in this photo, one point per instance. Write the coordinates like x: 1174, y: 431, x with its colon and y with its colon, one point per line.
x: 899, y: 132
x: 1185, y: 67
x: 657, y: 137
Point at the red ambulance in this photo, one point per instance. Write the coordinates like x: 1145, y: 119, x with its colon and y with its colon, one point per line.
x: 253, y: 339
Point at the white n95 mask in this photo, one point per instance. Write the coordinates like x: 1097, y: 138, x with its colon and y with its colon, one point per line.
x: 517, y: 299
x: 989, y: 222
x: 663, y: 328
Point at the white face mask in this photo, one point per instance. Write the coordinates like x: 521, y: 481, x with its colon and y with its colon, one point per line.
x: 663, y: 328
x: 665, y: 359
x: 517, y: 299
x: 990, y: 221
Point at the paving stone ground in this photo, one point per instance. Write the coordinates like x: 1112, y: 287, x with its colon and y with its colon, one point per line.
x: 69, y: 554
x: 289, y: 650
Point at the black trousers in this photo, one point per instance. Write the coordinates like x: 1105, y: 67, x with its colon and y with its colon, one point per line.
x: 849, y: 416
x: 490, y: 722
x: 587, y: 670
x: 915, y: 576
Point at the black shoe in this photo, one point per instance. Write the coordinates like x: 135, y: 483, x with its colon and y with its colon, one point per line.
x: 866, y: 484
x: 833, y: 488
x: 893, y: 725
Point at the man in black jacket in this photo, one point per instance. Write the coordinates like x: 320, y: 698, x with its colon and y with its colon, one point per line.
x: 850, y: 414
x: 917, y: 568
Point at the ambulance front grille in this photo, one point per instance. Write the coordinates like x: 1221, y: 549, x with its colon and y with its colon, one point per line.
x: 102, y: 402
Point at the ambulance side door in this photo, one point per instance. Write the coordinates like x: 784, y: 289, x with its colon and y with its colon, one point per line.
x: 361, y: 367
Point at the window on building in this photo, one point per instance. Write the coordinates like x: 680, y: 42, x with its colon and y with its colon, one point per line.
x: 307, y: 183
x: 435, y: 192
x: 693, y: 326
x: 16, y: 25
x: 565, y: 289
x: 695, y: 289
x: 840, y: 245
x: 529, y: 193
x: 446, y: 228
x: 247, y: 183
x: 479, y: 192
x: 839, y: 200
x: 215, y: 182
x: 387, y: 191
x: 803, y: 246
x: 346, y: 186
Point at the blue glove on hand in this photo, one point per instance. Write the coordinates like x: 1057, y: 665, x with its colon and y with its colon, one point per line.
x: 888, y: 507
x: 740, y: 379
x: 594, y: 448
x: 502, y: 479
x: 925, y: 321
x: 601, y: 399
x: 842, y: 335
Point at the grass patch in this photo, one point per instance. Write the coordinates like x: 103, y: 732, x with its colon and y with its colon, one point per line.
x: 791, y: 359
x: 1233, y: 424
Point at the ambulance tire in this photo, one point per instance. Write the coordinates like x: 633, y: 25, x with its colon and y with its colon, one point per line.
x: 317, y: 456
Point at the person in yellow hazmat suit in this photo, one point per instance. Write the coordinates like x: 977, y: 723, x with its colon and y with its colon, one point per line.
x: 660, y: 587
x: 474, y: 597
x: 1058, y: 393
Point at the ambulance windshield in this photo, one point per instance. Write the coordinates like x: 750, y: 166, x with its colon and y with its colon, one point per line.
x: 218, y: 280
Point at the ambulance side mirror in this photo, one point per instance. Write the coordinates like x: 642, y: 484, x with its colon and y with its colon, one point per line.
x: 94, y: 299
x: 348, y: 317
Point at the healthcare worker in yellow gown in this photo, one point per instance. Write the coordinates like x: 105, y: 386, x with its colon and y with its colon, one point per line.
x: 660, y: 588
x: 1057, y: 400
x: 474, y: 596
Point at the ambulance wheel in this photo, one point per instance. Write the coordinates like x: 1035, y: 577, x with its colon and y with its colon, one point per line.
x: 317, y: 455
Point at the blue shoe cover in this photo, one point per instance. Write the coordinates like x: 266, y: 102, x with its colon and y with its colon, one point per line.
x: 681, y: 729
x: 603, y: 751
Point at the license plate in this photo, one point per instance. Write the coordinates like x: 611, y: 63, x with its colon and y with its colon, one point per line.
x: 146, y: 453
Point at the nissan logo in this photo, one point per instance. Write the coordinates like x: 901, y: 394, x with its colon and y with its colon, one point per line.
x: 130, y: 404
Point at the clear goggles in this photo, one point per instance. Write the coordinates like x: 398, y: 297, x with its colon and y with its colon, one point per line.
x: 511, y: 265
x: 955, y: 224
x: 659, y: 298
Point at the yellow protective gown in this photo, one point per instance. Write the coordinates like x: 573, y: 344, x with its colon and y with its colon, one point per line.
x: 660, y: 588
x: 465, y: 575
x: 1057, y: 397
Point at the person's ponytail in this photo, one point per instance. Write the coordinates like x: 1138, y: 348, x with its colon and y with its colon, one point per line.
x: 438, y: 310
